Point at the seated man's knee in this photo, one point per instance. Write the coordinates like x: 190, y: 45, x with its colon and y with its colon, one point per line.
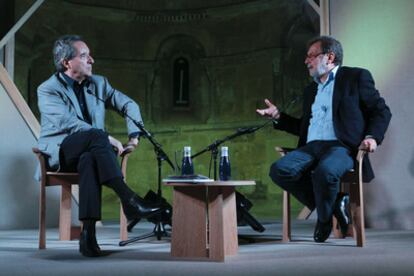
x: 99, y: 139
x: 280, y: 172
x: 98, y: 134
x: 325, y: 175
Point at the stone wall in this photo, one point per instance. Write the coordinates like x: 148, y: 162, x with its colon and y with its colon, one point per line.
x: 238, y: 53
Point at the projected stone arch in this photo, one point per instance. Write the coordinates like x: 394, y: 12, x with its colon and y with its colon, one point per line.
x: 181, y: 90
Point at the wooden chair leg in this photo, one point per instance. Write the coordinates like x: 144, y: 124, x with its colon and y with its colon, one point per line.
x: 123, y: 231
x: 304, y: 213
x: 335, y: 228
x: 357, y: 213
x: 65, y: 216
x: 123, y: 222
x: 42, y: 216
x: 286, y: 217
x: 76, y: 230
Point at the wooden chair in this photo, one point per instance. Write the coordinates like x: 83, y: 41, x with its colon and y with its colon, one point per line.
x: 67, y: 181
x: 351, y: 183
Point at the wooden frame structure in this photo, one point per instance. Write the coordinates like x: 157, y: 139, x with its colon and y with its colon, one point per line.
x: 18, y: 100
x: 323, y: 10
x: 8, y: 40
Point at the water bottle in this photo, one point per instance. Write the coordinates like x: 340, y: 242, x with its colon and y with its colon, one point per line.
x: 224, y: 166
x: 187, y: 167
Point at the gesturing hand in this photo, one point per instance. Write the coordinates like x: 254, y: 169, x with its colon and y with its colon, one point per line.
x: 271, y: 111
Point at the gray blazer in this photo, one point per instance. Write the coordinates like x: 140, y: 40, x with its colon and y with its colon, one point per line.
x: 61, y: 114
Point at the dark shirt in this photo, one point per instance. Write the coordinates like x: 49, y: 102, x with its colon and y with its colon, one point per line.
x: 78, y: 88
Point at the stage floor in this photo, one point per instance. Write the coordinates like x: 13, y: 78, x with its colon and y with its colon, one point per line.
x: 386, y: 253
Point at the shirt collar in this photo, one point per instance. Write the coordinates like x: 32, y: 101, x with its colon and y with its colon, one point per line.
x: 333, y: 72
x: 72, y: 82
x: 331, y: 76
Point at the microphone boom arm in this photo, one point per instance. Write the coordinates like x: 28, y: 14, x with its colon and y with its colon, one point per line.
x: 239, y: 132
x: 145, y: 133
x: 157, y: 146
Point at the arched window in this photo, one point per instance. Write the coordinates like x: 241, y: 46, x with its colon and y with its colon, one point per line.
x: 181, y: 82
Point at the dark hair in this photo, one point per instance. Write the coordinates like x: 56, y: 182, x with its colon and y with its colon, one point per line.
x: 63, y: 49
x: 329, y: 45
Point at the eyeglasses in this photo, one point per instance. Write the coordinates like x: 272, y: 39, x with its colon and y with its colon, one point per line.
x: 311, y: 57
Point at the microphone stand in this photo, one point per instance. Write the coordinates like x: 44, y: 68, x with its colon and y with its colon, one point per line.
x: 242, y: 204
x: 214, y: 146
x: 159, y: 229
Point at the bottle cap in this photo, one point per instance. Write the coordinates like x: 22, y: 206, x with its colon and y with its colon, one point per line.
x: 187, y: 150
x: 224, y: 151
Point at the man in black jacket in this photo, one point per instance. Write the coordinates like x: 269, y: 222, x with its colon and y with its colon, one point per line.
x: 342, y: 112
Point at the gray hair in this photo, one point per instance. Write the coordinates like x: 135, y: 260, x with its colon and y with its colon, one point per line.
x: 329, y: 45
x: 63, y: 49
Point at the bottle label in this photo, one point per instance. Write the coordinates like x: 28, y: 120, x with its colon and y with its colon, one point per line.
x: 224, y: 169
x: 187, y: 166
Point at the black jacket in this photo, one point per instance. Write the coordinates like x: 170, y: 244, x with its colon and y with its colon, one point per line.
x: 358, y: 111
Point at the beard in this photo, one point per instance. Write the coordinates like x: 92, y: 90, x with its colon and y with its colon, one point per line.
x: 321, y: 69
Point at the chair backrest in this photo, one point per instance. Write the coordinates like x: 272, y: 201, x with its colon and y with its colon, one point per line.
x: 124, y: 159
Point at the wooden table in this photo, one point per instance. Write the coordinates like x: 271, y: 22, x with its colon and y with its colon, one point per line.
x: 205, y: 219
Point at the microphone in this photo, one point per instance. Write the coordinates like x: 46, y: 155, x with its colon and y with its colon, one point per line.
x: 246, y: 130
x: 289, y: 105
x: 145, y: 132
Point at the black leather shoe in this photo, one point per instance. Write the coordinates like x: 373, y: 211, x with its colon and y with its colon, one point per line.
x: 137, y: 208
x: 322, y: 231
x: 341, y: 212
x: 88, y: 245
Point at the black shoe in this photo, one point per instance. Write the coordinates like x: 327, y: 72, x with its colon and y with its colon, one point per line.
x: 88, y: 245
x: 322, y: 231
x: 166, y: 215
x: 341, y: 212
x: 137, y: 208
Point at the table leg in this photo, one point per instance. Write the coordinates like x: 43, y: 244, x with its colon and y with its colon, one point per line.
x: 189, y: 231
x: 222, y: 222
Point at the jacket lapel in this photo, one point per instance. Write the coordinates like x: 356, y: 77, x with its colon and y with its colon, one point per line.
x: 68, y: 91
x: 338, y: 90
x: 310, y: 97
x: 91, y: 100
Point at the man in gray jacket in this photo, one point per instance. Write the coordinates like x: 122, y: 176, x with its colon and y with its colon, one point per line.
x: 72, y: 104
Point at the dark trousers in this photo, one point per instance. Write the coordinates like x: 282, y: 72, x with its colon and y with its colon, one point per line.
x: 90, y: 154
x: 312, y: 174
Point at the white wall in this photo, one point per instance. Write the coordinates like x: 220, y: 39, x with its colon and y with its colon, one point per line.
x: 18, y: 190
x: 379, y: 35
